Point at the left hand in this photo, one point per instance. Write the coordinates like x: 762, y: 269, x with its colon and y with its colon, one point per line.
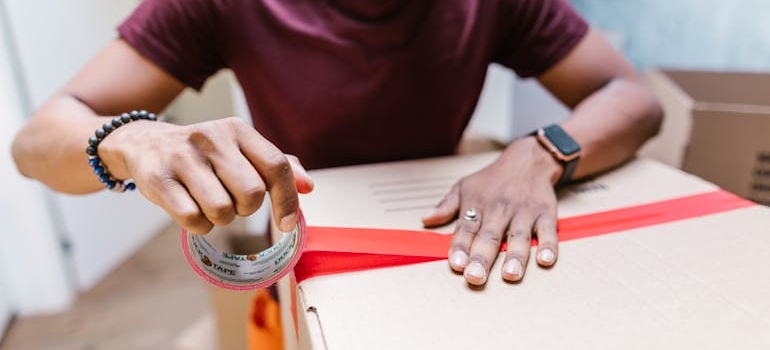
x: 513, y: 199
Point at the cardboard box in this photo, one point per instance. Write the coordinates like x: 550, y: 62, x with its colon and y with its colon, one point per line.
x: 225, y: 327
x: 696, y: 283
x: 717, y: 126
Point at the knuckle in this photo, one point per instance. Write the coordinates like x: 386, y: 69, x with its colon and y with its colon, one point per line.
x: 250, y: 199
x: 180, y: 160
x: 193, y: 220
x: 502, y: 202
x: 162, y: 181
x: 464, y: 235
x: 255, y: 189
x: 221, y: 213
x: 542, y: 208
x: 246, y: 210
x: 519, y: 234
x: 546, y: 226
x: 490, y: 236
x: 278, y: 163
x: 290, y: 203
x: 469, y: 227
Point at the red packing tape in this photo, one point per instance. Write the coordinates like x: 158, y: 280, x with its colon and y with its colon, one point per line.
x: 318, y: 251
x: 331, y: 250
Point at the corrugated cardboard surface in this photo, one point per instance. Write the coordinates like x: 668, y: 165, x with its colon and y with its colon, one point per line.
x: 716, y: 127
x: 698, y: 283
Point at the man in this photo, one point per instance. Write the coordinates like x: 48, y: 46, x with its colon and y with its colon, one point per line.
x: 344, y: 82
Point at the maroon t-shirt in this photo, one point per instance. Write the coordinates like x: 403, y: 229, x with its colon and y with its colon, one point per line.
x: 356, y: 81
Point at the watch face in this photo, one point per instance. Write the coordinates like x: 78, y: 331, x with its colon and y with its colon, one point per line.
x: 563, y: 142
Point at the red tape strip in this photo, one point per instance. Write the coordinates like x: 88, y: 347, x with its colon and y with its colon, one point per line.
x: 331, y: 250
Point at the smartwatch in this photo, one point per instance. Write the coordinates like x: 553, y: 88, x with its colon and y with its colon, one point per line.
x: 562, y: 147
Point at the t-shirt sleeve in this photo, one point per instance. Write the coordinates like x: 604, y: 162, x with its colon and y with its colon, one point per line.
x: 180, y: 36
x: 539, y: 33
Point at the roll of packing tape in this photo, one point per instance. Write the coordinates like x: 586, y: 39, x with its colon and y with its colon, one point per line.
x: 244, y: 272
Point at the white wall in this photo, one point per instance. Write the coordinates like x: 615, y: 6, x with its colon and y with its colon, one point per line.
x: 51, y: 41
x: 33, y: 275
x: 5, y: 310
x: 510, y: 107
x: 55, y: 38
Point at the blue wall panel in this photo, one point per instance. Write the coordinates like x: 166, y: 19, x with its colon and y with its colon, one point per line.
x: 695, y: 34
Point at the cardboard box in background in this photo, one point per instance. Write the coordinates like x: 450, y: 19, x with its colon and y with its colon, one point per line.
x: 717, y: 126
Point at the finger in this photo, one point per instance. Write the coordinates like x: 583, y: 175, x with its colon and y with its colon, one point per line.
x: 462, y: 239
x: 486, y: 245
x: 519, y: 238
x: 446, y: 209
x: 275, y: 169
x: 302, y: 179
x: 170, y: 195
x: 241, y: 181
x: 548, y: 241
x: 207, y: 190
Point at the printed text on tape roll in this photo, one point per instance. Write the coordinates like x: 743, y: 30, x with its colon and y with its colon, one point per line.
x: 244, y: 272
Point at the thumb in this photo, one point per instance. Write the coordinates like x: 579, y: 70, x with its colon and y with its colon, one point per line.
x: 446, y: 210
x: 302, y: 179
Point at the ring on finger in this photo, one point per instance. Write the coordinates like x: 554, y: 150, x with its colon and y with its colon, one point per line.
x: 471, y: 215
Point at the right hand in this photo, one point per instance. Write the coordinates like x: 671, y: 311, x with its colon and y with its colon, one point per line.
x: 205, y: 174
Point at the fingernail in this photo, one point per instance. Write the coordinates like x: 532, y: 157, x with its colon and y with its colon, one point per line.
x: 547, y: 256
x: 304, y: 187
x: 459, y: 258
x: 288, y: 222
x: 475, y: 270
x: 513, y: 268
x: 308, y: 178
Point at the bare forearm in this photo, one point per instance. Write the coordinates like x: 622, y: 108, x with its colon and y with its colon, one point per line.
x: 611, y: 124
x: 51, y: 146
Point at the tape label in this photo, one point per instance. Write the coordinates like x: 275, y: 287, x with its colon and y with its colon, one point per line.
x: 243, y: 270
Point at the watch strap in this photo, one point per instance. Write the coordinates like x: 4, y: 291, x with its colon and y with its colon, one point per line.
x: 557, y: 142
x: 566, y: 175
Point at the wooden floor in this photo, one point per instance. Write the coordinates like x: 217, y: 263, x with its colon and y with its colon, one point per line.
x: 145, y: 304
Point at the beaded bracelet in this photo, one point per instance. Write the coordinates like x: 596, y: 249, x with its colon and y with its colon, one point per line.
x: 92, y: 150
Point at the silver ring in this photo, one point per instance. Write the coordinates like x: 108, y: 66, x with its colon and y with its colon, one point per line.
x: 471, y: 215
